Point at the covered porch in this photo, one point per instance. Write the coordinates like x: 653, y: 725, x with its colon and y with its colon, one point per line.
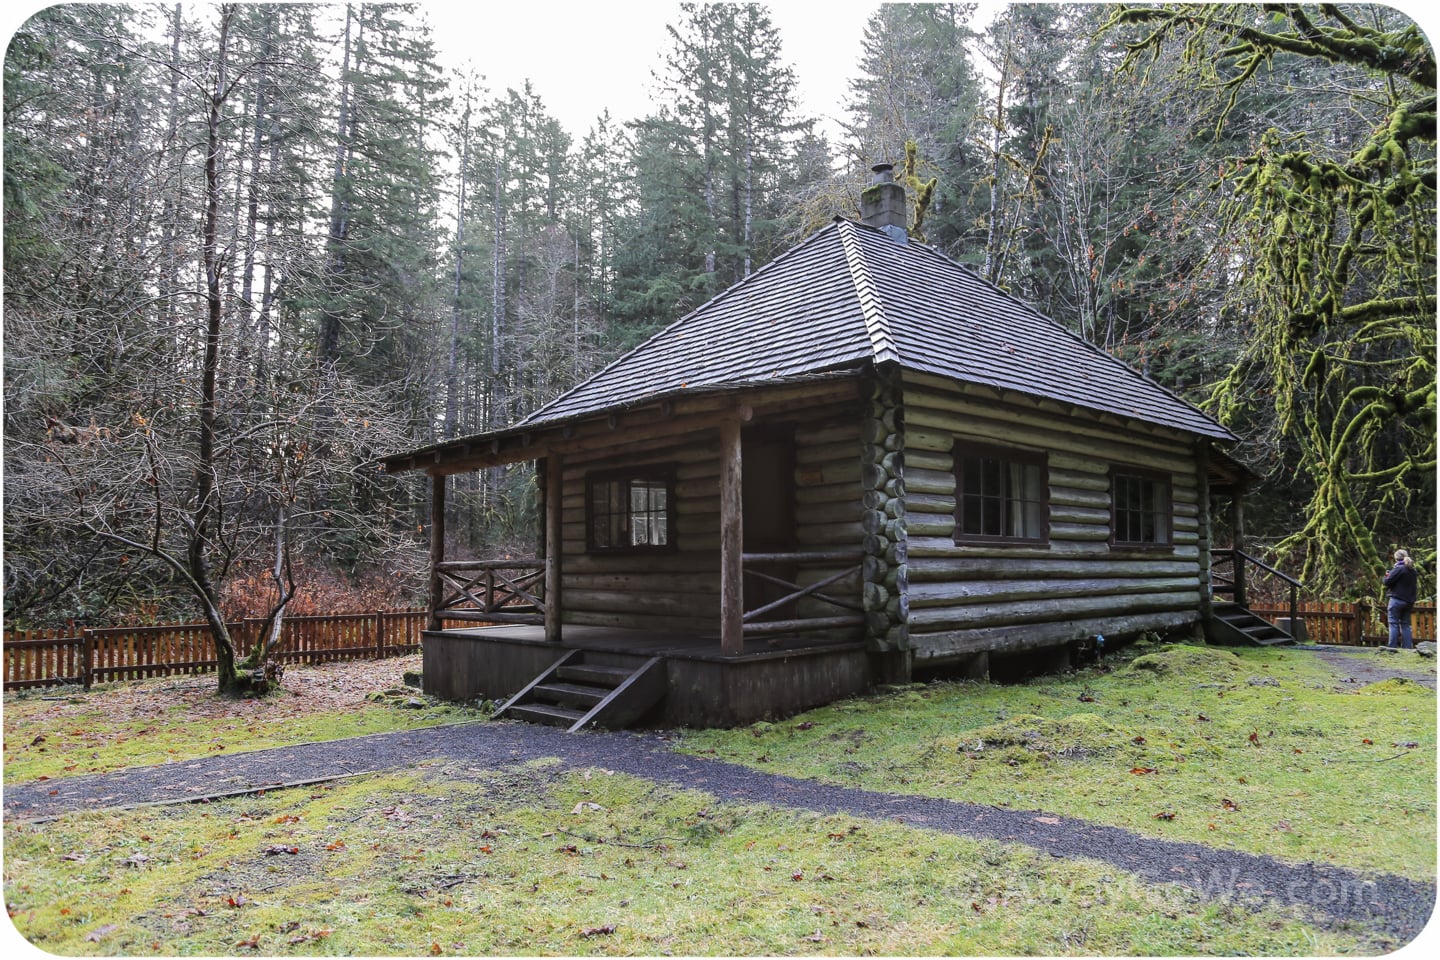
x: 737, y: 562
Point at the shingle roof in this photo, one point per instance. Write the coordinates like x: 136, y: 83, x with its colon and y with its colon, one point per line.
x: 850, y: 295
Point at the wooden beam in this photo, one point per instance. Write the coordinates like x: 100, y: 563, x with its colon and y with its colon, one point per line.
x: 554, y: 549
x: 732, y: 541
x: 437, y: 547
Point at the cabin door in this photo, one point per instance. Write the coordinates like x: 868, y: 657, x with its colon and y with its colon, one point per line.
x: 767, y: 489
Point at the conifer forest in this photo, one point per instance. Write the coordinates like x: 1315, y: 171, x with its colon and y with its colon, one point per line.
x: 248, y: 248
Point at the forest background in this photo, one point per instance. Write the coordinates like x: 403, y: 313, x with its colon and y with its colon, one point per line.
x: 248, y: 248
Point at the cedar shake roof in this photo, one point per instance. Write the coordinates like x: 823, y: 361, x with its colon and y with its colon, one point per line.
x: 850, y: 296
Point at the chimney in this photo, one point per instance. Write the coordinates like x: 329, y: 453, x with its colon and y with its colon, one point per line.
x: 882, y: 204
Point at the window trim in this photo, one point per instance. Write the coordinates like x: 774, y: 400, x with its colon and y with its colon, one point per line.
x: 1165, y: 489
x: 1025, y: 457
x: 657, y: 472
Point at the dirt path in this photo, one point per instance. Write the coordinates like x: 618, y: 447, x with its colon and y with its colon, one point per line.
x: 1361, y: 665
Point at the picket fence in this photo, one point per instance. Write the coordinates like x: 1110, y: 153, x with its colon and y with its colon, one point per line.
x: 84, y: 656
x: 1353, y: 624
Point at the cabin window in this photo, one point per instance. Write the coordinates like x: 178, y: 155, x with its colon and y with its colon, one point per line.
x: 630, y: 510
x: 1139, y: 508
x: 1001, y: 495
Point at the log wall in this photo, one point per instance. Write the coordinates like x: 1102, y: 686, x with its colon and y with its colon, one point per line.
x: 972, y: 599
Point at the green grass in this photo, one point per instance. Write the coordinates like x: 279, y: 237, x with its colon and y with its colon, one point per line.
x: 535, y: 861
x: 48, y: 738
x: 1265, y: 751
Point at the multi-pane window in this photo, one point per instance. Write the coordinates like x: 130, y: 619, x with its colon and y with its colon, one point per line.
x: 1001, y: 494
x: 630, y: 510
x: 1139, y: 508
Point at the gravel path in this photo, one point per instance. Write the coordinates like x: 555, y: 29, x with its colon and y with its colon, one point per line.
x: 1395, y: 905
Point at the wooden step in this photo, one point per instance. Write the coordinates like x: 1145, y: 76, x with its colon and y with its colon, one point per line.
x: 595, y: 674
x: 571, y: 694
x: 546, y: 713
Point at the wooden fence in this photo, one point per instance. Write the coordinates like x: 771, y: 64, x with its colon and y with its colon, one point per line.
x: 39, y: 658
x: 1356, y: 624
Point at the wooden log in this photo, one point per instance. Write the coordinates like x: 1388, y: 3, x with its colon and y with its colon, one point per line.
x: 806, y: 514
x: 965, y: 593
x: 732, y: 539
x: 437, y: 546
x: 938, y: 647
x: 923, y: 391
x: 554, y: 549
x: 1002, y: 613
x: 935, y: 430
x: 998, y: 565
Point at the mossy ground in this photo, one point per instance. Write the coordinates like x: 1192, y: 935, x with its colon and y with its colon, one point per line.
x: 539, y: 861
x: 54, y: 733
x: 1266, y: 751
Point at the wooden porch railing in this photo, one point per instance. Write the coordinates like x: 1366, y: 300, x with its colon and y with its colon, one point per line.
x: 1235, y: 584
x: 754, y: 626
x: 495, y: 591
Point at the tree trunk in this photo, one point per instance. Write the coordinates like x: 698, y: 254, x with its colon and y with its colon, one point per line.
x: 205, y: 469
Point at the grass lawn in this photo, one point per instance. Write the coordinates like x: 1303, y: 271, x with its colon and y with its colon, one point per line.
x: 446, y: 860
x: 1262, y: 750
x: 52, y: 732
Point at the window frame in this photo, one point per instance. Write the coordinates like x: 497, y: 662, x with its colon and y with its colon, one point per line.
x: 1164, y: 488
x: 662, y: 473
x: 1038, y: 459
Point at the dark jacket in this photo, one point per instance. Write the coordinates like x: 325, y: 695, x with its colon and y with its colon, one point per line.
x: 1400, y: 583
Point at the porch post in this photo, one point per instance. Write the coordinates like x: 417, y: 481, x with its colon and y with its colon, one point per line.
x: 732, y: 540
x: 553, y: 548
x: 1237, y: 529
x: 1205, y: 525
x: 437, y: 546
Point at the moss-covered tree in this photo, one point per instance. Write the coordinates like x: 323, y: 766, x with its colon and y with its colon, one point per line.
x: 1334, y: 233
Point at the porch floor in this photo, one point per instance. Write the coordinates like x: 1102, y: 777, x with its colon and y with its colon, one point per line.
x: 651, y: 643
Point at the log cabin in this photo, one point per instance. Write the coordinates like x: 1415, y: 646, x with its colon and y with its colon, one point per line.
x: 858, y: 465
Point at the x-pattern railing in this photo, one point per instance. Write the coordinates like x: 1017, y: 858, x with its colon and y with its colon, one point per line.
x: 751, y: 619
x: 502, y: 591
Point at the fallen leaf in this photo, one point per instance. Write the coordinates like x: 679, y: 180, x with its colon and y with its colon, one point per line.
x: 1165, y: 815
x: 1229, y: 805
x: 606, y: 930
x: 584, y: 805
x: 1142, y: 770
x: 1138, y: 741
x: 1050, y: 820
x: 1255, y: 737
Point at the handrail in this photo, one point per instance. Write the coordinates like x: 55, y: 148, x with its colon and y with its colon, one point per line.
x: 1269, y: 569
x: 1237, y: 586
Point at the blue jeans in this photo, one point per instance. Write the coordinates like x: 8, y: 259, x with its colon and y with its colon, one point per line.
x: 1397, y: 612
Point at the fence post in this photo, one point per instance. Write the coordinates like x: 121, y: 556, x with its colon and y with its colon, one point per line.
x: 87, y: 656
x: 379, y: 634
x: 1362, y: 620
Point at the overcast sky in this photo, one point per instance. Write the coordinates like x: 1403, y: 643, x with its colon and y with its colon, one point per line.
x: 583, y: 58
